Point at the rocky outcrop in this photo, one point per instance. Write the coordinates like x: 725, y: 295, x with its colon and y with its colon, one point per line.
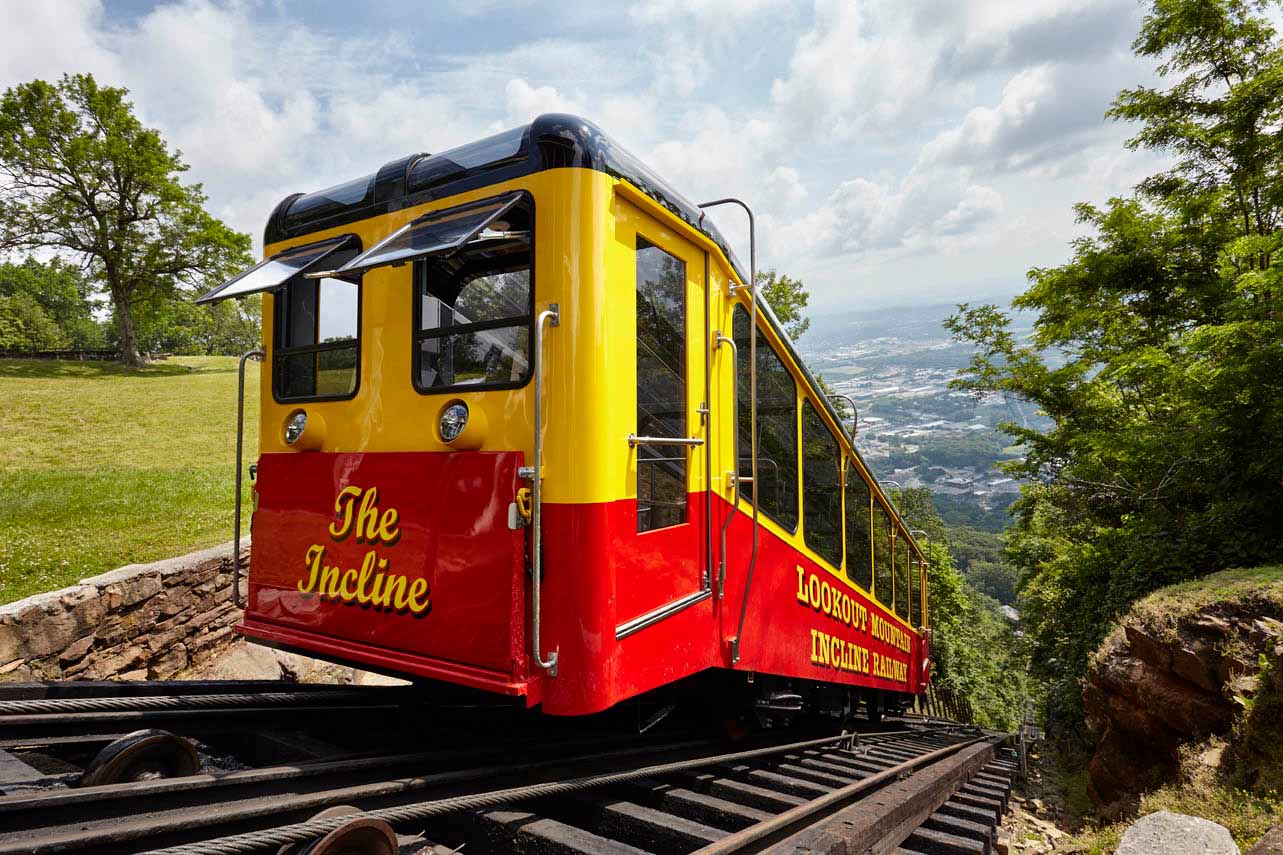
x: 1163, y: 680
x: 1167, y: 833
x: 143, y: 621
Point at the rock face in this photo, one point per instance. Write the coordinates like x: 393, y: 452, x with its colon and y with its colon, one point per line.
x: 1166, y: 833
x: 144, y: 621
x: 1153, y: 687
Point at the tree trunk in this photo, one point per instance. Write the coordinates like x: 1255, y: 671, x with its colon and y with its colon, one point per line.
x: 128, y: 341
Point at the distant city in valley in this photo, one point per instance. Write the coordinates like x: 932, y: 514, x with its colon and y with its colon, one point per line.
x: 914, y: 430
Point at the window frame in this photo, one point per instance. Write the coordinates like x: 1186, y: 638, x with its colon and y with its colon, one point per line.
x: 808, y: 406
x: 280, y: 303
x: 418, y: 290
x: 851, y: 470
x: 797, y: 425
x: 638, y: 239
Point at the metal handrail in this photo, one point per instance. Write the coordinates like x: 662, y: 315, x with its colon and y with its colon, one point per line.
x: 735, y: 474
x: 855, y: 413
x: 752, y: 404
x: 634, y: 440
x: 553, y: 314
x: 256, y: 354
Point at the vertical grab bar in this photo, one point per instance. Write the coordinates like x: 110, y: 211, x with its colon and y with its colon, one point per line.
x: 257, y: 355
x: 752, y: 404
x: 553, y: 314
x: 735, y: 473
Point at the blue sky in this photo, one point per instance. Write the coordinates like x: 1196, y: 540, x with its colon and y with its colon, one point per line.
x: 895, y: 152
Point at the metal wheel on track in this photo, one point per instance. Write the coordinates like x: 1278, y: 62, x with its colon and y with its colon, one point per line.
x: 361, y: 836
x: 144, y: 755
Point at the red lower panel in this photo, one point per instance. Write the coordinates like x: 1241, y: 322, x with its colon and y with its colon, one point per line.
x: 405, y: 562
x: 392, y: 558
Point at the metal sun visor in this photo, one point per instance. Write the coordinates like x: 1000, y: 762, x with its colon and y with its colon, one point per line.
x: 437, y: 233
x: 272, y: 274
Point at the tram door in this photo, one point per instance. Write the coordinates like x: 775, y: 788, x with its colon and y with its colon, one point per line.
x: 663, y: 566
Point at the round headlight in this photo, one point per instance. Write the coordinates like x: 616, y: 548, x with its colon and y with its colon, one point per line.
x: 454, y: 419
x: 295, y: 426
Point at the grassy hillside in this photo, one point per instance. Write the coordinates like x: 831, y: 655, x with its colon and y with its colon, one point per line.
x: 102, y: 466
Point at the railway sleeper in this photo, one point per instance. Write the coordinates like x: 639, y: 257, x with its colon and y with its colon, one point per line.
x: 701, y: 807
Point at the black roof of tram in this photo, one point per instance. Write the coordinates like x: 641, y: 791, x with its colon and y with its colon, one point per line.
x: 552, y: 141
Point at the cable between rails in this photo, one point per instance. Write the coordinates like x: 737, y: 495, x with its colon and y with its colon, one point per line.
x: 253, y: 841
x: 176, y: 702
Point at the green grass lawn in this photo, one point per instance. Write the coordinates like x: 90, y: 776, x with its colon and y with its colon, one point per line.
x: 102, y: 466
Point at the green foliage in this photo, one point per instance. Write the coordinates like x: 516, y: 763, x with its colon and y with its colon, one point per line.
x: 974, y: 647
x: 1166, y: 395
x: 787, y: 297
x: 83, y: 175
x: 63, y: 294
x: 25, y: 326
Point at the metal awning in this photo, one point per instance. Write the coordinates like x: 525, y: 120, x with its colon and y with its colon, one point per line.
x: 273, y: 273
x: 432, y: 234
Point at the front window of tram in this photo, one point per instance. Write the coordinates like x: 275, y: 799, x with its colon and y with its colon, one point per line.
x: 474, y: 309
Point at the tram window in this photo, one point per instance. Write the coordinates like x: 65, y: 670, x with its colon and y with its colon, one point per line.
x: 661, y: 386
x: 881, y: 554
x: 821, y: 487
x: 902, y: 553
x: 317, y: 349
x: 915, y: 589
x: 859, y: 567
x: 776, y: 427
x: 474, y: 308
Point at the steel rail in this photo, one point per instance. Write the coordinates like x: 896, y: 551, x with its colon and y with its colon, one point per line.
x: 790, y: 820
x: 249, y: 842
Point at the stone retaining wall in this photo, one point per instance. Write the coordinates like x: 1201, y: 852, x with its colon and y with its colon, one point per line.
x: 143, y: 621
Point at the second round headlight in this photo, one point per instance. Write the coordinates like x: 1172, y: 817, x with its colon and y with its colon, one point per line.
x: 454, y: 419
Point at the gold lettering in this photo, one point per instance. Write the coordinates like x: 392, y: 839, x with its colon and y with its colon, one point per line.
x: 394, y: 593
x: 348, y: 576
x: 367, y: 568
x: 418, y: 588
x: 801, y: 586
x: 315, y: 553
x: 343, y: 503
x: 329, y: 586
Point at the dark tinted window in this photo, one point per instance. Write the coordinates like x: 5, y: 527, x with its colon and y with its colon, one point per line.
x: 859, y: 561
x: 901, y: 574
x: 915, y: 590
x: 442, y: 167
x: 776, y: 427
x: 474, y: 309
x: 821, y: 487
x: 317, y: 336
x: 661, y: 386
x: 881, y: 554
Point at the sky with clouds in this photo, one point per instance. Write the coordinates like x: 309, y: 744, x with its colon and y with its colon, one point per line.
x: 894, y: 152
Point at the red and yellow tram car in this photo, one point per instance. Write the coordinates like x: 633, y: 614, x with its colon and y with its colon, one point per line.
x: 508, y: 442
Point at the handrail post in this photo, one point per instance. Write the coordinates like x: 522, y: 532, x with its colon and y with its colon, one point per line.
x: 734, y: 473
x: 752, y: 404
x: 553, y: 315
x: 257, y: 355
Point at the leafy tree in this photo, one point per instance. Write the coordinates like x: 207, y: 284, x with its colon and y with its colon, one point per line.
x: 82, y: 174
x: 62, y: 292
x: 1164, y: 458
x: 787, y: 297
x: 25, y: 326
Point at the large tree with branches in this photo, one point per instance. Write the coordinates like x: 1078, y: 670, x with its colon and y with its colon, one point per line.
x: 80, y: 173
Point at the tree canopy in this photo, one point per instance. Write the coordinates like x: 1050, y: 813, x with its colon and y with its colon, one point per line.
x: 1165, y: 459
x: 83, y: 175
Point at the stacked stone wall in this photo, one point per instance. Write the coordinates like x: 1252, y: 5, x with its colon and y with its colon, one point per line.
x: 143, y: 621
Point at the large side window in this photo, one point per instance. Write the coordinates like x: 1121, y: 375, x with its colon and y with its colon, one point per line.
x: 881, y: 554
x: 776, y: 427
x: 915, y: 589
x: 902, y: 552
x: 821, y: 487
x: 859, y: 566
x: 474, y: 308
x: 661, y: 386
x: 317, y: 350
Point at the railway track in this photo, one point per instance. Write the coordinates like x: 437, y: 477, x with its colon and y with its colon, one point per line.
x: 926, y: 787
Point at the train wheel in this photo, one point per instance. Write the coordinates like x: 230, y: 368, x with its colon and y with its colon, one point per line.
x: 359, y: 836
x: 144, y: 755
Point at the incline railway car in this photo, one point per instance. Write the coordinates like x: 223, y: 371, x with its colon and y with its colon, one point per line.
x: 527, y: 428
